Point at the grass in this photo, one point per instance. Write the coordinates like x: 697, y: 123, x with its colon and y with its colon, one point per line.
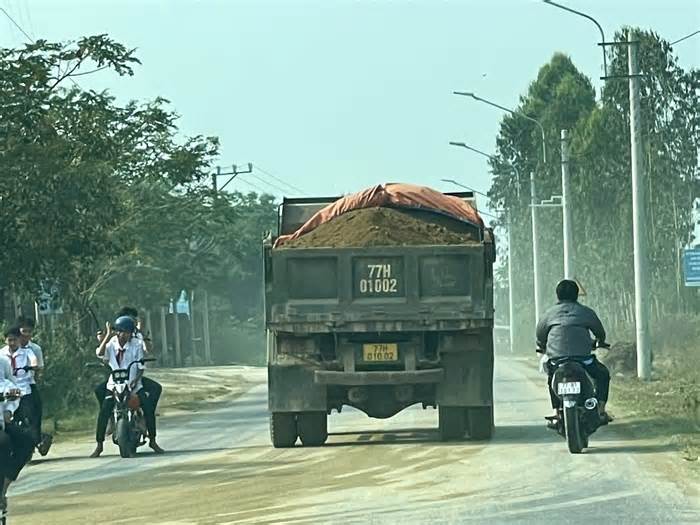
x: 667, y: 407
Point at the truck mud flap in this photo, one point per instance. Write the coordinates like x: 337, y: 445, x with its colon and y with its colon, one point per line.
x: 292, y: 389
x: 468, y: 379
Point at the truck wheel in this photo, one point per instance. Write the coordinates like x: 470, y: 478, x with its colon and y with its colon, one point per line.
x: 283, y: 429
x: 452, y: 424
x: 480, y: 423
x: 313, y: 428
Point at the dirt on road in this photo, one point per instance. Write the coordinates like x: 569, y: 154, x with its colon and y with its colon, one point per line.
x: 221, y: 469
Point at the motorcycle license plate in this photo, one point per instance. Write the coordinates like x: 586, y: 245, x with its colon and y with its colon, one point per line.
x: 380, y: 352
x: 569, y: 388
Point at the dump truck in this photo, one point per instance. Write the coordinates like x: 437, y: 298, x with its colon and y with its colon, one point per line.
x: 366, y: 318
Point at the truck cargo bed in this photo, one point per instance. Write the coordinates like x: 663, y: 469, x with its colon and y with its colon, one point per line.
x: 379, y: 289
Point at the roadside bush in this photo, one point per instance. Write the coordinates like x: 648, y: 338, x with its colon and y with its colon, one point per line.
x: 67, y: 385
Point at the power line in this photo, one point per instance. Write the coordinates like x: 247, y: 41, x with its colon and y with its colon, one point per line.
x: 278, y: 179
x: 261, y: 190
x: 270, y: 184
x: 684, y: 38
x: 14, y: 22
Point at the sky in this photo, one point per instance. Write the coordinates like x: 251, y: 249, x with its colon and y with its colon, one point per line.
x: 332, y: 96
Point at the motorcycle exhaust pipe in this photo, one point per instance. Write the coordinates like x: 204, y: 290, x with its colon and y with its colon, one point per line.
x: 591, y: 403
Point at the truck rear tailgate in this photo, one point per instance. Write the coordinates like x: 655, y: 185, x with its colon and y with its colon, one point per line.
x: 414, y: 284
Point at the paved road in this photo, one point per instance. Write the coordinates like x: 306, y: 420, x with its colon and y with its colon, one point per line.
x: 220, y: 469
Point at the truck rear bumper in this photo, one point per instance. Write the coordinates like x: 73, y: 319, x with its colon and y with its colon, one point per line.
x: 328, y: 377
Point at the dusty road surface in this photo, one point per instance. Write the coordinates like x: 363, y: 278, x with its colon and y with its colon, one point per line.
x: 221, y: 469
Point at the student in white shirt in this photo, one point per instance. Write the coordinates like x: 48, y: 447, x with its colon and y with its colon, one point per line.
x: 16, y: 445
x: 26, y: 328
x: 152, y: 388
x: 119, y: 352
x: 21, y: 357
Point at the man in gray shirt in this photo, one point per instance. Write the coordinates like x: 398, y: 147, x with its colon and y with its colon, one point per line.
x: 564, y: 331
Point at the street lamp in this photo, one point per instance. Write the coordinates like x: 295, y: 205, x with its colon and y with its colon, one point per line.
x: 512, y: 111
x: 533, y: 195
x: 641, y: 295
x: 511, y: 306
x: 584, y: 15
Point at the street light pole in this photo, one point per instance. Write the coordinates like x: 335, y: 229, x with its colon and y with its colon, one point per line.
x: 566, y: 207
x: 509, y: 227
x: 536, y: 274
x: 535, y: 248
x: 584, y: 15
x: 513, y: 112
x: 641, y: 295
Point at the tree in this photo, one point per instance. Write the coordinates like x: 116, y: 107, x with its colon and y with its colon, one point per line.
x: 562, y: 98
x: 76, y: 166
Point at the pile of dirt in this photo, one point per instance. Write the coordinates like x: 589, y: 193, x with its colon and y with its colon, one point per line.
x: 383, y: 226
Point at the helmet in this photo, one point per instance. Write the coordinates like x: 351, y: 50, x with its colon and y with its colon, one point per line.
x: 125, y: 324
x: 567, y: 290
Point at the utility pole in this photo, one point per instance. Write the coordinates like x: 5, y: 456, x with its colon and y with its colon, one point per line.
x: 178, y: 348
x: 205, y: 327
x: 566, y: 207
x: 641, y: 293
x: 163, y: 336
x: 235, y: 172
x: 535, y: 249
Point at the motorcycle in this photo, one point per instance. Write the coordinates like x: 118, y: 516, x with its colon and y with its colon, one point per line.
x: 127, y: 419
x: 13, y: 395
x: 578, y: 416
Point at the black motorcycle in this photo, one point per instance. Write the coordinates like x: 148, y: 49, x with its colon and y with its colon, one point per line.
x: 578, y: 415
x: 127, y: 420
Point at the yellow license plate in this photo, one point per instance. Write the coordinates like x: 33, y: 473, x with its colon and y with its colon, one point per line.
x: 380, y: 352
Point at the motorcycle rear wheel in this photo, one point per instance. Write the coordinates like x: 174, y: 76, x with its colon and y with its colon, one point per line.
x: 124, y: 438
x: 574, y: 433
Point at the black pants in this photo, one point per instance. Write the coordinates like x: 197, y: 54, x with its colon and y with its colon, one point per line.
x: 153, y: 388
x: 27, y: 411
x: 149, y: 414
x: 598, y: 372
x: 38, y: 406
x: 15, y: 450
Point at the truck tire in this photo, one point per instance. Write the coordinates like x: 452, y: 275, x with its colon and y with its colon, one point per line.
x: 283, y: 429
x: 480, y: 423
x: 313, y: 428
x: 452, y: 423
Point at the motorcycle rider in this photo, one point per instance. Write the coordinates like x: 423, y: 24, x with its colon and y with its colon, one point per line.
x: 153, y: 388
x: 15, y: 444
x: 26, y: 328
x: 119, y: 352
x: 21, y: 357
x: 564, y: 331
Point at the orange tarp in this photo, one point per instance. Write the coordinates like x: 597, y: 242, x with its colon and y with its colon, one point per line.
x: 395, y: 195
